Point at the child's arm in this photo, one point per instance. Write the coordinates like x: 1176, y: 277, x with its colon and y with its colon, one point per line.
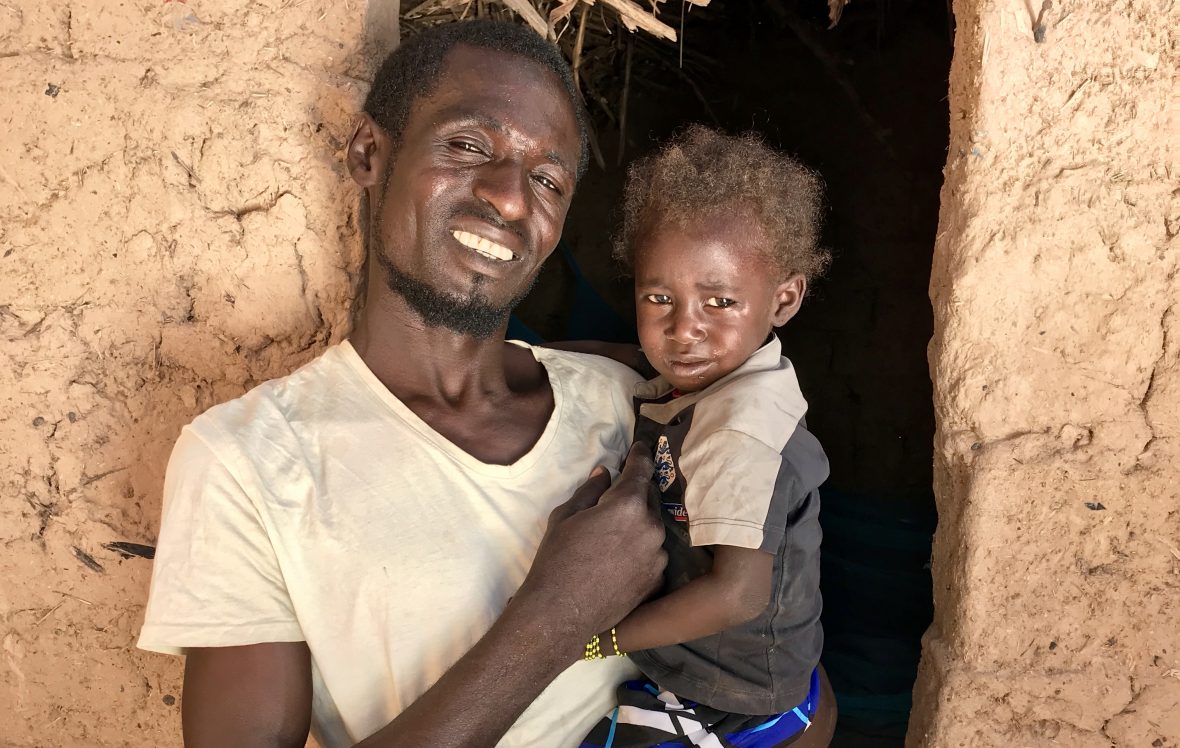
x: 735, y: 591
x: 624, y: 353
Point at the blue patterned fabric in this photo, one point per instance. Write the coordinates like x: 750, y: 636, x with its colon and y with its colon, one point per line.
x: 648, y: 717
x: 665, y: 468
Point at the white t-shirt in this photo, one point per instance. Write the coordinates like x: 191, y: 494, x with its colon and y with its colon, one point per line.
x: 319, y: 508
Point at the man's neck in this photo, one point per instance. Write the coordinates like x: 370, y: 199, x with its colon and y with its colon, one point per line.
x: 432, y: 363
x: 490, y: 399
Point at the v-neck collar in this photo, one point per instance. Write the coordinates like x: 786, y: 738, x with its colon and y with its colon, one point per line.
x: 522, y: 465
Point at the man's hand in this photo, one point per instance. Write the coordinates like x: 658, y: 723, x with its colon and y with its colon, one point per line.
x: 601, y: 555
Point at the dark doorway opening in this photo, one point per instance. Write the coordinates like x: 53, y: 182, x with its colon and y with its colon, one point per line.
x: 864, y: 104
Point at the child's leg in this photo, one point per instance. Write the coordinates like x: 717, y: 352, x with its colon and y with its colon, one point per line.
x: 823, y: 722
x: 648, y: 716
x: 645, y: 716
x: 808, y: 725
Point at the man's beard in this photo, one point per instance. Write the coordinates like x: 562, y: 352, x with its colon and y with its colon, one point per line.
x: 474, y: 316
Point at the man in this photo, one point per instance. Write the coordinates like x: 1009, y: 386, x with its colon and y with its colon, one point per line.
x: 363, y: 545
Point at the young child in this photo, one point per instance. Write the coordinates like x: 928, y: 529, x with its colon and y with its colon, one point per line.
x: 721, y: 233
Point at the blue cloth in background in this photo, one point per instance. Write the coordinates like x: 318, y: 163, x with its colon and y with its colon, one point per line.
x: 875, y: 572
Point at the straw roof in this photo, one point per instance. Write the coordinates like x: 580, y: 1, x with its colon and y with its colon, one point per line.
x: 610, y: 44
x: 551, y: 18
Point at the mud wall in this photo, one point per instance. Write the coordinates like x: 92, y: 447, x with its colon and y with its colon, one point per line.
x: 175, y: 227
x: 1057, y: 384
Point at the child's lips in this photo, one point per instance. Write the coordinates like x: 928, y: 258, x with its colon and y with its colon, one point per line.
x: 689, y: 367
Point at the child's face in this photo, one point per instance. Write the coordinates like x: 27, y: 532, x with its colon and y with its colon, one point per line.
x: 706, y: 297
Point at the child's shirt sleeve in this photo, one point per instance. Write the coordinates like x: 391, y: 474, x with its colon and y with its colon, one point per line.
x: 730, y: 480
x: 738, y: 489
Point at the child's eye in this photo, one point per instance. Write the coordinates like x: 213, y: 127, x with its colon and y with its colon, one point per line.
x: 719, y: 301
x: 658, y: 298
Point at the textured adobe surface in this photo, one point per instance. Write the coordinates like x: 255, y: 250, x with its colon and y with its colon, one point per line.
x: 1057, y: 385
x: 175, y: 227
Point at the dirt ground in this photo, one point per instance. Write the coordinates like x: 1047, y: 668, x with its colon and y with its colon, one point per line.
x: 1057, y: 384
x: 175, y: 227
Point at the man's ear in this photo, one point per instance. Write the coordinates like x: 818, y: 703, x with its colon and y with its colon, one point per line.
x: 788, y: 297
x: 368, y: 152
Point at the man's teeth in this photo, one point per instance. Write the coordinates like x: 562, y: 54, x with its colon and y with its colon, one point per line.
x: 483, y: 246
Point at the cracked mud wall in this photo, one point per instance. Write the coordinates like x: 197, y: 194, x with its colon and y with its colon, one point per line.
x: 175, y: 227
x: 1057, y: 384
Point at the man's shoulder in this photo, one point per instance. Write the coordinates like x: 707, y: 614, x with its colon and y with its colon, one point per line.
x: 271, y: 406
x: 572, y: 366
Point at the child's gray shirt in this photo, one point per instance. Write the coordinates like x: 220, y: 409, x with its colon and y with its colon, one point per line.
x: 735, y: 465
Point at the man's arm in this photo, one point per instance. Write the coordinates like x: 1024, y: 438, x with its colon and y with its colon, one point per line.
x: 260, y: 695
x: 256, y: 695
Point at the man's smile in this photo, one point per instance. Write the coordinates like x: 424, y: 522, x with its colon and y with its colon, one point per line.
x: 484, y: 246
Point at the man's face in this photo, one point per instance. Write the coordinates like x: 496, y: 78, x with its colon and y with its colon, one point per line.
x: 477, y: 191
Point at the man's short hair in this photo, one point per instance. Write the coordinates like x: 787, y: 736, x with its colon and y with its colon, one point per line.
x: 702, y: 173
x: 413, y: 71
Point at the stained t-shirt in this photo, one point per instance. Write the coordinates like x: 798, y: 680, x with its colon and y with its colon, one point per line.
x: 736, y: 466
x: 320, y: 508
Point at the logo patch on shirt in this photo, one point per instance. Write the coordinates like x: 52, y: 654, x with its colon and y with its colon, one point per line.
x: 665, y: 469
x: 677, y: 511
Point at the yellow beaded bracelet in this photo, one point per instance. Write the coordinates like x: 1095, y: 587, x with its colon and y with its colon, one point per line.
x: 614, y: 642
x: 594, y: 649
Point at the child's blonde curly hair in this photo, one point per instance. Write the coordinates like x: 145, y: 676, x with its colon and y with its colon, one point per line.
x: 702, y: 173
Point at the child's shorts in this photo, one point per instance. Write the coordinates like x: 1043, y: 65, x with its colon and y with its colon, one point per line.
x: 647, y: 716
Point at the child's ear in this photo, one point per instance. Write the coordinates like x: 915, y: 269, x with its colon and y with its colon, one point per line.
x: 368, y: 152
x: 788, y: 297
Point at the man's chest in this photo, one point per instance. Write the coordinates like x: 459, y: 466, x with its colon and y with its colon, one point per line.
x: 399, y: 550
x: 446, y: 550
x: 499, y: 432
x: 392, y: 582
x: 397, y: 559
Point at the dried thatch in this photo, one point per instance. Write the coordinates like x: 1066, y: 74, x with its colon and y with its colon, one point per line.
x: 604, y: 57
x: 551, y: 18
